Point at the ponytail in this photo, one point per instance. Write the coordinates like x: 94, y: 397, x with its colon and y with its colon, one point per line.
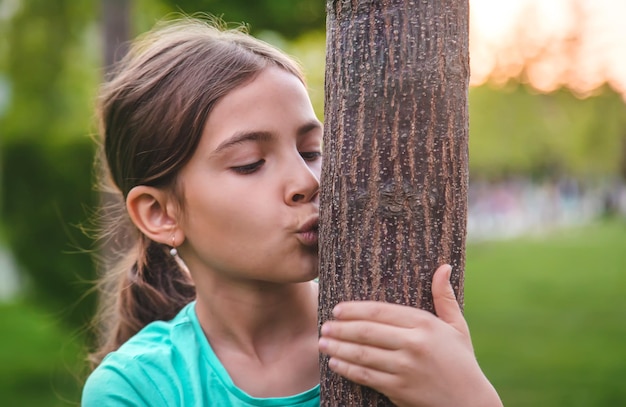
x: 157, y: 289
x: 147, y: 284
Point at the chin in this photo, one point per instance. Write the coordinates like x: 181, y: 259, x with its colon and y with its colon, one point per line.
x: 309, y: 276
x: 314, y: 275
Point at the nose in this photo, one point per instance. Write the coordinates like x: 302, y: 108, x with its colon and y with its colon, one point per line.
x: 303, y: 183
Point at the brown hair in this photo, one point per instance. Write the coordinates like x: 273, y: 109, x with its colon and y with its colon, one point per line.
x: 151, y: 115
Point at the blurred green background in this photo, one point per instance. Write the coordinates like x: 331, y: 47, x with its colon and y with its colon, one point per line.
x: 546, y: 256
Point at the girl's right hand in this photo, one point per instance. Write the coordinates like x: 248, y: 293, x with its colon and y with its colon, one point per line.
x: 412, y: 356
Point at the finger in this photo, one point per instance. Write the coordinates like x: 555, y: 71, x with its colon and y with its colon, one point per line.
x: 362, y: 355
x: 365, y: 332
x: 444, y: 300
x: 362, y: 375
x: 381, y: 312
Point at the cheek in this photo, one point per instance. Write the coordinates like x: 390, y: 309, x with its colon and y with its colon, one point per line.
x: 228, y: 214
x: 203, y: 212
x: 316, y: 168
x: 246, y: 206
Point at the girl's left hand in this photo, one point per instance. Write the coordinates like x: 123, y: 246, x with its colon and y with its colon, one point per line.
x: 412, y: 356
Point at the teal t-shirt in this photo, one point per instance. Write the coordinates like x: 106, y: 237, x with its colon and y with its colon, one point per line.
x: 172, y: 364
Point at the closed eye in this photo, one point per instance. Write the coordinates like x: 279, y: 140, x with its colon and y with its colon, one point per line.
x: 248, y: 168
x: 310, y: 155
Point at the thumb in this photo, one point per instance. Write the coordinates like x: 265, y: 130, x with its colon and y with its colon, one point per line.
x: 444, y: 300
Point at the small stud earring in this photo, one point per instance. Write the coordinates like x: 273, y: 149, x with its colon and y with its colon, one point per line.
x: 173, y: 251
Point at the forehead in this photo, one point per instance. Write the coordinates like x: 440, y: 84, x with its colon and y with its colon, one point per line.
x: 273, y: 100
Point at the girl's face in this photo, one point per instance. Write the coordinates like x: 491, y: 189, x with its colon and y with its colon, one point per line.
x: 251, y: 187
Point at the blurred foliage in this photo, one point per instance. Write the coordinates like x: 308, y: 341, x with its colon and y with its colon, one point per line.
x: 46, y: 152
x: 51, y: 69
x: 290, y: 18
x: 42, y: 210
x: 42, y: 362
x: 514, y: 130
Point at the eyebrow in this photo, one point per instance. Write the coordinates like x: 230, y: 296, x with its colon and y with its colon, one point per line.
x: 243, y: 137
x: 308, y: 126
x: 264, y: 136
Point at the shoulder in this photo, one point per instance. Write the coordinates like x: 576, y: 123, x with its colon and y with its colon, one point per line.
x: 118, y: 384
x: 156, y: 342
x: 143, y: 370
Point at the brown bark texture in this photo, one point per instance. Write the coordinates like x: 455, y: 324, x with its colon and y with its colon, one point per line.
x: 393, y: 202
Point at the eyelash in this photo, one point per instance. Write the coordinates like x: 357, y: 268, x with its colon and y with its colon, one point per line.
x: 311, y: 155
x: 308, y: 156
x: 249, y: 168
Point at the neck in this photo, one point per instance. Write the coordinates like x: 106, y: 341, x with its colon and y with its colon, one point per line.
x: 257, y: 319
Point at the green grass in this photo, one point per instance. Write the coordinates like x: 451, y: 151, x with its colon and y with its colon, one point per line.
x: 548, y: 316
x: 548, y: 319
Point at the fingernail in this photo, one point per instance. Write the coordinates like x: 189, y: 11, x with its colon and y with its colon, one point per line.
x: 323, y: 344
x: 448, y: 272
x: 325, y: 329
x: 332, y: 363
x: 336, y: 311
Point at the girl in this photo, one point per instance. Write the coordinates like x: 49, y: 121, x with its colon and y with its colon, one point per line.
x: 211, y: 140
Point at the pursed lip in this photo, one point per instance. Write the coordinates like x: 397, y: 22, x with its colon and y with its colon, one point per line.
x: 307, y: 233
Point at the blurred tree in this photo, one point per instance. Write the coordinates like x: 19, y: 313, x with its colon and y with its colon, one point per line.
x: 116, y: 16
x: 514, y: 130
x: 116, y: 32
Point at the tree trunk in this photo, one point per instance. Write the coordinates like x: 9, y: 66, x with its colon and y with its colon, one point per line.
x: 395, y: 172
x: 116, y: 35
x: 116, y: 30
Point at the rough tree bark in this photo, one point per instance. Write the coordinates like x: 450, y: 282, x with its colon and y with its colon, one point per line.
x: 395, y: 173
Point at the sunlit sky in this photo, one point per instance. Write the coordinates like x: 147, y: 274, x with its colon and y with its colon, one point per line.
x: 580, y: 44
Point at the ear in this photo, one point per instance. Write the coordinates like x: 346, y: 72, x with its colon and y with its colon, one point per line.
x: 154, y: 213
